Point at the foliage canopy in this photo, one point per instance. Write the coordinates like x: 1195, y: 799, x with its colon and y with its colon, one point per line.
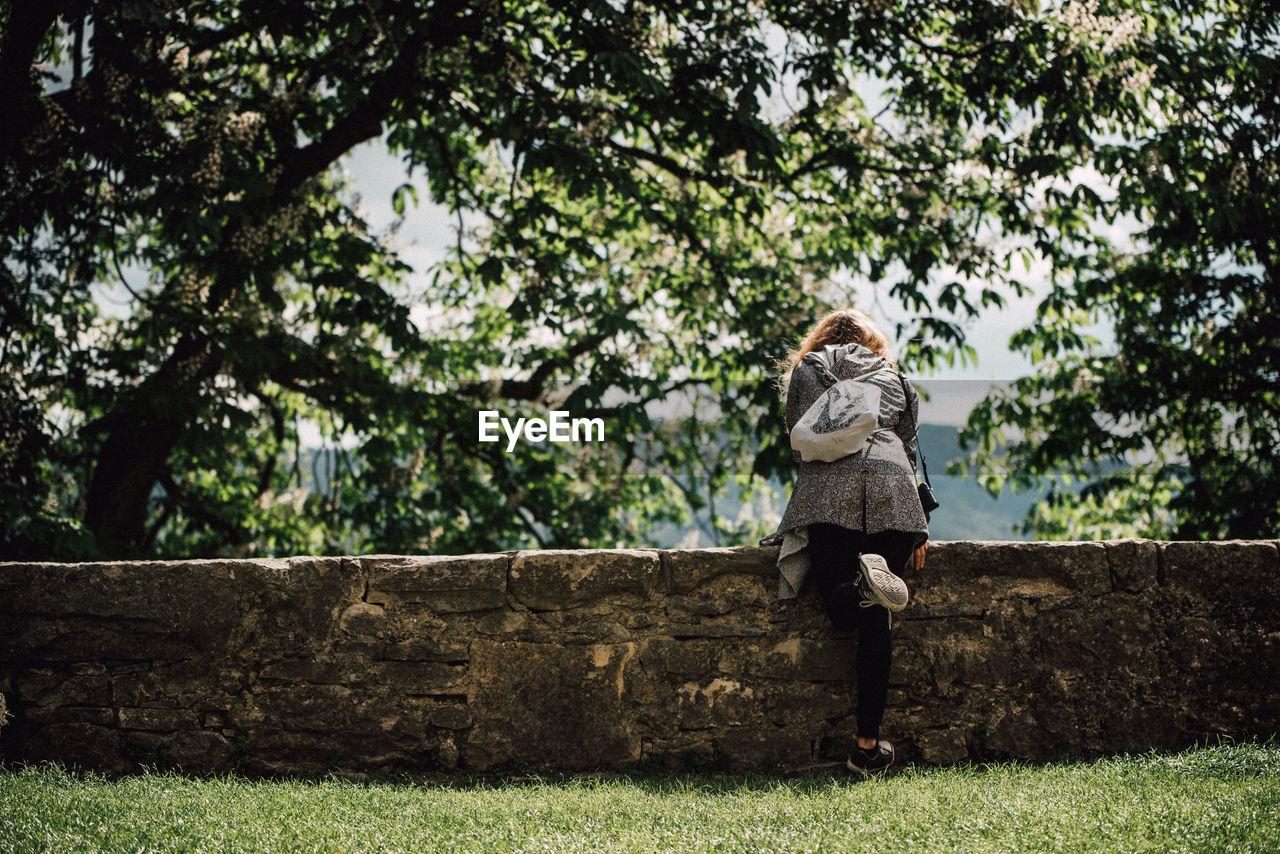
x: 654, y: 199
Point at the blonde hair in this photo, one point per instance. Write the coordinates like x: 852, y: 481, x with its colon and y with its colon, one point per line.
x: 842, y: 326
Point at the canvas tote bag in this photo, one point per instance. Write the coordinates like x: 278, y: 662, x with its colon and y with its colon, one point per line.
x: 840, y: 422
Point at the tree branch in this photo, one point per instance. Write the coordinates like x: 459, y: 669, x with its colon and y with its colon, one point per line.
x: 532, y: 388
x: 364, y: 121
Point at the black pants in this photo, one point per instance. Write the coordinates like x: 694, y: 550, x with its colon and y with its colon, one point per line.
x: 833, y: 556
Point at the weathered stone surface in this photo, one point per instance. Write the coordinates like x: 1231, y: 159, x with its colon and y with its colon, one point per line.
x: 444, y: 584
x: 942, y: 746
x: 1020, y: 569
x: 451, y: 716
x: 598, y: 659
x: 200, y: 751
x: 1227, y: 575
x: 1134, y: 564
x: 303, y: 670
x: 747, y: 748
x: 419, y: 677
x: 806, y: 659
x: 77, y: 745
x: 734, y: 597
x: 298, y: 706
x: 555, y: 706
x: 82, y: 686
x: 363, y: 620
x: 71, y: 714
x: 555, y: 579
x: 718, y: 702
x: 688, y: 569
x: 681, y: 659
x: 288, y: 607
x: 92, y: 612
x: 158, y: 719
x: 427, y: 650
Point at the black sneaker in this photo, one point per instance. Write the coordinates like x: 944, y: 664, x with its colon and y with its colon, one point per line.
x: 874, y: 761
x: 879, y: 586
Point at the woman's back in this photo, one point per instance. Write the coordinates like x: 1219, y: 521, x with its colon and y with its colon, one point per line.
x: 873, y: 490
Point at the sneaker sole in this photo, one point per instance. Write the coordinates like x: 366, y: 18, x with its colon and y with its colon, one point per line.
x: 886, y: 588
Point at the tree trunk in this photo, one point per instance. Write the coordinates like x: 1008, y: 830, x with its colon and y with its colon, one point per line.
x: 130, y: 463
x: 143, y: 431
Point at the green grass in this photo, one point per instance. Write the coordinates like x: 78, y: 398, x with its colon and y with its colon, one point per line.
x: 1224, y: 798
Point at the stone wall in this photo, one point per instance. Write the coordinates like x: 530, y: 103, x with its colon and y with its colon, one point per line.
x: 604, y: 659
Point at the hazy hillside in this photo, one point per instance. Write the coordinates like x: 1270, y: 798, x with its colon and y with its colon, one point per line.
x: 967, y: 511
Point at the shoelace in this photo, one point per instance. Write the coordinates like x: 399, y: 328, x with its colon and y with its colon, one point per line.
x: 863, y: 586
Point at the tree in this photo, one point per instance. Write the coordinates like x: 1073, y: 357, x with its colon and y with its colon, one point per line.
x: 1187, y: 399
x: 642, y: 214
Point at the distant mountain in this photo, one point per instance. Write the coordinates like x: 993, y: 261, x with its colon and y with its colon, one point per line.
x: 967, y: 512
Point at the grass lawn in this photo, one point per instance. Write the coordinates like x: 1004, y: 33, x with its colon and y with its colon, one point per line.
x: 1224, y: 798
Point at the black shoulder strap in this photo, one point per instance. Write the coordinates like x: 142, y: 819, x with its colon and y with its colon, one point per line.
x: 906, y: 395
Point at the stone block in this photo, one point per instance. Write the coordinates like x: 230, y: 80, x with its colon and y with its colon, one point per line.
x: 719, y: 702
x: 1020, y: 569
x: 681, y: 659
x: 743, y: 597
x: 70, y: 714
x: 754, y: 748
x: 91, y: 686
x: 425, y: 649
x: 803, y: 706
x: 594, y: 631
x: 451, y: 716
x: 709, y: 628
x: 159, y: 720
x: 805, y: 659
x: 1134, y: 564
x: 943, y: 746
x: 170, y: 609
x: 556, y: 579
x: 302, y: 670
x: 418, y: 677
x: 290, y: 606
x: 200, y: 752
x: 550, y: 705
x: 940, y: 658
x: 1238, y: 577
x: 442, y: 583
x: 175, y: 684
x: 687, y: 569
x: 300, y: 706
x: 359, y: 650
x: 77, y: 745
x: 363, y: 620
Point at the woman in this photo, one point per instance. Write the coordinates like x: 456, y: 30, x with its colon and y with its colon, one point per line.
x: 852, y: 525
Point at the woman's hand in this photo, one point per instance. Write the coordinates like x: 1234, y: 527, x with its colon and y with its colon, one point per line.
x: 917, y: 558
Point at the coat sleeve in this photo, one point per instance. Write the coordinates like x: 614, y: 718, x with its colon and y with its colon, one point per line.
x: 804, y: 389
x: 908, y: 424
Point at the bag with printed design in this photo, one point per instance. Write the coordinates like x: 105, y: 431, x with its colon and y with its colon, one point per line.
x: 841, y: 421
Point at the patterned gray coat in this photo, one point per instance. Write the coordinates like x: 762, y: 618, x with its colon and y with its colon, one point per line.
x: 873, y: 490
